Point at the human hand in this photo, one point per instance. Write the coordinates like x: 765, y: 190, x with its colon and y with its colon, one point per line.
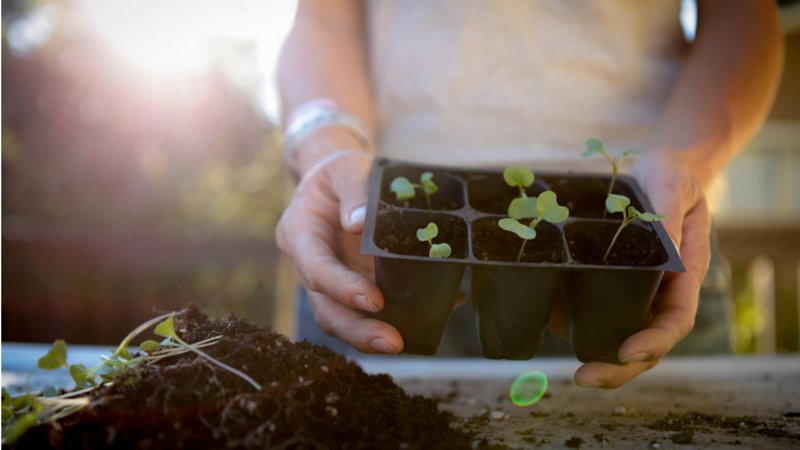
x: 320, y: 230
x: 675, y: 191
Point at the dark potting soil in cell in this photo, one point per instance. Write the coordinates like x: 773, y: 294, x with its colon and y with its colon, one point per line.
x: 397, y: 236
x: 586, y: 197
x: 492, y: 243
x: 438, y: 203
x: 635, y: 246
x: 312, y: 398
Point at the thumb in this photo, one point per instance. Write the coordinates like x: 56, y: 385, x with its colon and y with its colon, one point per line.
x: 350, y: 172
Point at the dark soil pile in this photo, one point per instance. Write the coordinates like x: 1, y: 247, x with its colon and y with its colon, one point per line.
x: 312, y: 398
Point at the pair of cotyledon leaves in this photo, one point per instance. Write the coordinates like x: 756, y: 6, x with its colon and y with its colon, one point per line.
x: 545, y: 207
x: 594, y: 146
x: 437, y: 250
x: 405, y: 189
x: 618, y: 203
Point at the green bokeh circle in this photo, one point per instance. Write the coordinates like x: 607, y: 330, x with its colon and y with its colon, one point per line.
x: 528, y: 388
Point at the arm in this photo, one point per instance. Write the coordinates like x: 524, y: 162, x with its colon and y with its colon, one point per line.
x: 325, y: 56
x: 718, y: 103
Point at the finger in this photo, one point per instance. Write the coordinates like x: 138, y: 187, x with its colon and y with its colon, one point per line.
x: 675, y: 306
x: 362, y: 333
x: 609, y: 376
x: 308, y: 240
x: 349, y: 173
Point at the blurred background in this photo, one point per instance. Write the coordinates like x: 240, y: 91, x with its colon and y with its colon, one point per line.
x: 141, y: 173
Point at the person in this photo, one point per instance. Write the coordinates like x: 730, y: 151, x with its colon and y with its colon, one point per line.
x: 520, y: 83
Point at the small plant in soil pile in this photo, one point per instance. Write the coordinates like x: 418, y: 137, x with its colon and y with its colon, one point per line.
x: 25, y: 411
x: 427, y: 234
x: 520, y: 178
x: 620, y: 203
x: 594, y: 146
x: 405, y: 190
x: 545, y: 207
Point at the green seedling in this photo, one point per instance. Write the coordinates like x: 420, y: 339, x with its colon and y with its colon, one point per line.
x: 520, y: 178
x: 620, y: 203
x: 545, y: 207
x: 427, y: 234
x: 405, y: 189
x: 25, y: 411
x: 594, y: 146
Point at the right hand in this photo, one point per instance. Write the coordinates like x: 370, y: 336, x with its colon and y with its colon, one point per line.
x: 321, y: 232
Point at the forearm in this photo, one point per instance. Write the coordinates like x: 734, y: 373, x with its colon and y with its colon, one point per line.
x: 324, y: 56
x: 726, y: 87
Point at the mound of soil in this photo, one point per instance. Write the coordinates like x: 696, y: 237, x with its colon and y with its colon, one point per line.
x: 312, y: 398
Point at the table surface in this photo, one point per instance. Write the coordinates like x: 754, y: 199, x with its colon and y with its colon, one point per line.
x: 766, y: 388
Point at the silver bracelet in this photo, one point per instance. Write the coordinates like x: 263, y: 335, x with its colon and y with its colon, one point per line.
x: 312, y: 116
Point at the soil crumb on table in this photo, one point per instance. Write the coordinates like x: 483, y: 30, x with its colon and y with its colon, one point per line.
x: 311, y: 398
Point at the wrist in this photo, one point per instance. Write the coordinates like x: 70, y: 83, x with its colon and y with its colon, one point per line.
x: 322, y: 143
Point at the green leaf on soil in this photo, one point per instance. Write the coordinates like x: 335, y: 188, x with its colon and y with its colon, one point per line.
x: 79, y: 373
x: 617, y: 203
x: 18, y: 428
x: 548, y: 208
x: 594, y: 146
x: 523, y: 208
x: 167, y: 328
x: 55, y: 358
x: 514, y: 176
x: 403, y: 188
x: 440, y: 251
x: 6, y: 398
x: 50, y: 391
x: 428, y: 233
x: 427, y: 183
x: 523, y: 231
x: 149, y: 346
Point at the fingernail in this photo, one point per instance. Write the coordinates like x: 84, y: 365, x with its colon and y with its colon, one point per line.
x: 636, y: 357
x: 364, y: 303
x: 358, y: 214
x: 594, y: 384
x: 380, y: 345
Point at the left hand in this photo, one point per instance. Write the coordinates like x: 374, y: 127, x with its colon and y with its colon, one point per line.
x: 674, y: 190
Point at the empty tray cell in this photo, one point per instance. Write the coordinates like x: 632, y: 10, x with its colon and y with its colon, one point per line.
x: 449, y: 197
x: 396, y: 232
x: 492, y: 243
x: 586, y: 196
x: 637, y: 245
x: 489, y: 193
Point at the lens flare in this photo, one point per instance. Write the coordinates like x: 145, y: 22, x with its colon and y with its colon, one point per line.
x: 528, y: 388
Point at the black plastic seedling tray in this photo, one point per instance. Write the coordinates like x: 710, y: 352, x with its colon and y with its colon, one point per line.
x: 608, y: 302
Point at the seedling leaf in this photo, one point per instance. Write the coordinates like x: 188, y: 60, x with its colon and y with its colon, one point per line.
x: 428, y: 233
x: 523, y: 231
x: 440, y: 251
x: 633, y: 151
x: 18, y: 428
x: 647, y: 217
x: 632, y: 213
x: 78, y: 373
x: 55, y: 358
x: 548, y: 208
x: 149, y: 346
x: 403, y: 188
x: 50, y: 392
x: 617, y: 203
x: 167, y: 328
x: 523, y: 208
x: 594, y: 146
x: 427, y: 183
x: 518, y: 177
x: 104, y: 369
